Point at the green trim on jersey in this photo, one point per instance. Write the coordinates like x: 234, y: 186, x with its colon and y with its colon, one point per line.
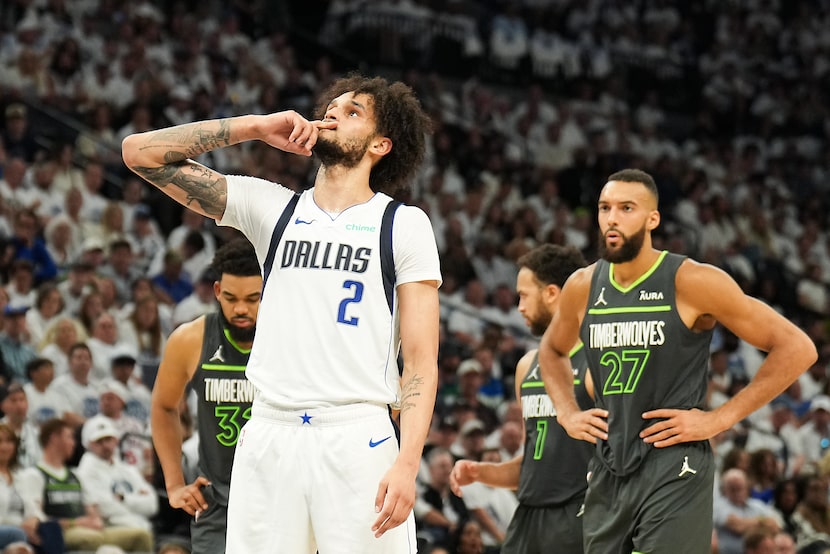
x: 642, y: 278
x: 634, y: 310
x: 222, y: 367
x: 234, y: 343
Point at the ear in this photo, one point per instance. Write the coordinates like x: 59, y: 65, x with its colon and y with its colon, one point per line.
x: 653, y: 220
x: 550, y: 293
x: 381, y: 146
x: 216, y: 289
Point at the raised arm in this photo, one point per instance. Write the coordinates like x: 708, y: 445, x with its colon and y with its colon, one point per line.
x: 418, y: 303
x: 163, y: 157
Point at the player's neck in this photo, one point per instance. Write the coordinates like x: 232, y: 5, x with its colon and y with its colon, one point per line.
x: 337, y: 188
x: 626, y: 273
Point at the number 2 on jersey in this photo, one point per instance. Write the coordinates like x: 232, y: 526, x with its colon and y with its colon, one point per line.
x: 628, y: 366
x: 357, y: 295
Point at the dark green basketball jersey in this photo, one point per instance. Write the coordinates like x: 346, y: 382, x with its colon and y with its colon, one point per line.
x: 642, y: 356
x: 62, y: 498
x: 225, y: 398
x: 554, y: 466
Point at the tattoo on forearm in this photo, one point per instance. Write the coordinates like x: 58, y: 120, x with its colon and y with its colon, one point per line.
x: 194, y: 140
x: 199, y: 183
x: 410, y: 391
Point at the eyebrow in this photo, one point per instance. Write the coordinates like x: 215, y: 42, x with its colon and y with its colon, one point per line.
x: 352, y: 101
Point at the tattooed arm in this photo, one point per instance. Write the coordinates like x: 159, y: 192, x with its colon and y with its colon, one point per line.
x: 162, y: 157
x: 418, y: 303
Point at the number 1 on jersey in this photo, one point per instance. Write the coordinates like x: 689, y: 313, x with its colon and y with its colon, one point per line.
x: 357, y: 296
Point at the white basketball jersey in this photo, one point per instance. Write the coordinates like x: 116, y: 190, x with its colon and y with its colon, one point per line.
x: 325, y: 332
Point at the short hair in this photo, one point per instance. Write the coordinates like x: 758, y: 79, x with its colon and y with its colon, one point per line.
x: 78, y: 346
x: 36, y: 363
x: 236, y: 257
x: 398, y: 116
x: 552, y: 264
x: 636, y: 176
x: 49, y: 428
x: 756, y: 535
x: 43, y: 293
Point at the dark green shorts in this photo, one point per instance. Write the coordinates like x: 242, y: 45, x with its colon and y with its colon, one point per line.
x: 207, y: 536
x: 545, y: 530
x: 664, y: 506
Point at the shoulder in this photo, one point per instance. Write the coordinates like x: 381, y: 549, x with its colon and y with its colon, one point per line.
x: 580, y: 280
x: 407, y: 216
x: 523, y: 364
x: 188, y: 334
x: 702, y: 279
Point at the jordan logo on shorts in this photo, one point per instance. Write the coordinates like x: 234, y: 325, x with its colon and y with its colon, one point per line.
x: 601, y: 298
x: 685, y: 468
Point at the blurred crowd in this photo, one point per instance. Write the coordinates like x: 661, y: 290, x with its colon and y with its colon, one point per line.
x: 534, y: 104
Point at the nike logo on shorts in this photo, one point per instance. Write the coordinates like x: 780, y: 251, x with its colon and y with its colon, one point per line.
x: 373, y: 444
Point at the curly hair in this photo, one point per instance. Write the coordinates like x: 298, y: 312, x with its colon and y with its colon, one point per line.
x: 236, y: 257
x: 398, y: 116
x: 552, y: 264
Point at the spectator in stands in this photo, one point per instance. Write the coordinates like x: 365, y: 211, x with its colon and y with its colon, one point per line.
x: 104, y: 344
x: 200, y: 302
x: 41, y: 398
x: 143, y: 333
x: 47, y: 308
x: 79, y: 396
x: 14, y: 344
x: 17, y: 137
x: 121, y: 494
x: 138, y: 399
x: 736, y: 513
x: 77, y: 284
x: 438, y: 511
x: 60, y: 496
x: 15, y: 408
x: 811, y: 518
x: 172, y: 280
x: 29, y: 246
x: 58, y: 339
x: 121, y: 269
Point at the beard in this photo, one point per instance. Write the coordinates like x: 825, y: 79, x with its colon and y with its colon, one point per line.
x: 238, y: 334
x: 539, y: 325
x: 346, y: 155
x: 627, y: 251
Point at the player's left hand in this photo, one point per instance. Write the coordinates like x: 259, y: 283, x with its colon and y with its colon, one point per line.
x: 395, y: 498
x: 679, y: 426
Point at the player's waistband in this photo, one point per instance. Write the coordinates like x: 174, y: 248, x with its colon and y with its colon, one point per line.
x: 330, y: 415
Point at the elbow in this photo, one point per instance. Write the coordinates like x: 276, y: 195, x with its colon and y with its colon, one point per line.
x: 129, y: 151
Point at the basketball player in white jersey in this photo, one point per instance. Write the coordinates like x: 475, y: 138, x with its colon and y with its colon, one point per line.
x: 349, y: 278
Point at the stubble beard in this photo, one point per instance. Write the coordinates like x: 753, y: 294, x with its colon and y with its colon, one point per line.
x: 347, y: 155
x: 539, y: 325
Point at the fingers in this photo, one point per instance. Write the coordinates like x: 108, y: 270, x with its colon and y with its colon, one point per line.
x: 303, y: 136
x: 393, y: 513
x: 189, y: 498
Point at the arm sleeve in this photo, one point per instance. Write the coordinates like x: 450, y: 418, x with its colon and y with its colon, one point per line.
x: 253, y: 207
x: 413, y: 244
